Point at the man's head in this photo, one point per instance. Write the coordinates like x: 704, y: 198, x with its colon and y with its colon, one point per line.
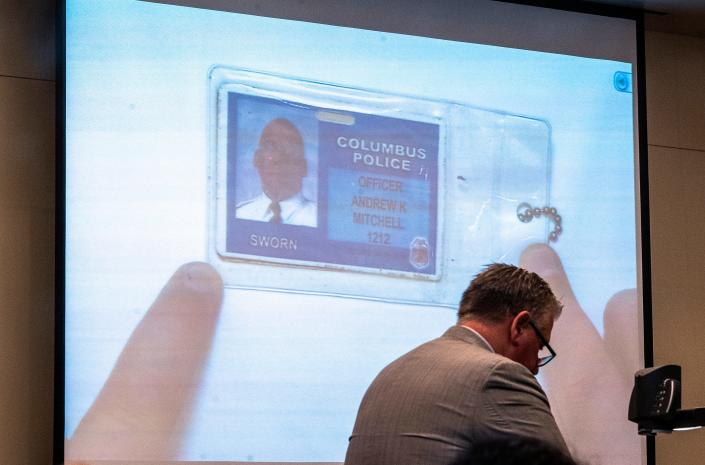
x: 502, y: 302
x: 279, y: 159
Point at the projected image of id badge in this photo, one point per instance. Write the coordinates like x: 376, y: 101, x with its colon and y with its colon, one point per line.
x: 322, y: 189
x: 316, y: 184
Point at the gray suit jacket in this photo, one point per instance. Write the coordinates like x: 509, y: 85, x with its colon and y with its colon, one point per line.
x: 432, y: 403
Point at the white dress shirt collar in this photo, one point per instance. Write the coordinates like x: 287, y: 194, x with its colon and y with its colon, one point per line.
x: 482, y: 338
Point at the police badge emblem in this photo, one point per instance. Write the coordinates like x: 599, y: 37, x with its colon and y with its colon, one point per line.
x: 418, y: 253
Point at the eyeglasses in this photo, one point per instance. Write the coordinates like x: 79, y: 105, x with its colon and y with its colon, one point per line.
x: 543, y: 359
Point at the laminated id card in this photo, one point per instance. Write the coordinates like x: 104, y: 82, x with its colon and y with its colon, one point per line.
x: 326, y: 189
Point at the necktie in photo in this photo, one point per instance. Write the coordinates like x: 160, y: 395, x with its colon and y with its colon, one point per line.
x: 276, y: 210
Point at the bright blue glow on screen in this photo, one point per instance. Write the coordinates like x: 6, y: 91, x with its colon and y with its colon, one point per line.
x: 285, y: 372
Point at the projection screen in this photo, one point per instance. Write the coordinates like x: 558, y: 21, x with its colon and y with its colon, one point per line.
x: 267, y: 202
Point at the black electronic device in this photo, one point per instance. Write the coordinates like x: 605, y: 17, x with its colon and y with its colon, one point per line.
x: 655, y: 404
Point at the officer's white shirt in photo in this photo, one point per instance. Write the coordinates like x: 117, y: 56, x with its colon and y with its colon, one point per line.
x: 296, y: 210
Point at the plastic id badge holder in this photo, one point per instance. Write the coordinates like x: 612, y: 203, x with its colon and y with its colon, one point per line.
x: 324, y: 189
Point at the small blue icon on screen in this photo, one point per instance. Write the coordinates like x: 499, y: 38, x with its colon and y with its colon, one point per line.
x: 623, y: 81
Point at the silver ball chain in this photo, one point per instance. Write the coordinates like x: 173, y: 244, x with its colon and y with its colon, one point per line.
x: 526, y: 213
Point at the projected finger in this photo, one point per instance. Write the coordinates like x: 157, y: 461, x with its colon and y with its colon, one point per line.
x: 622, y: 333
x: 143, y: 409
x: 585, y: 390
x: 573, y: 324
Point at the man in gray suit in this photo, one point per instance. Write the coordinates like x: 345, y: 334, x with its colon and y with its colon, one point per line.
x: 473, y: 384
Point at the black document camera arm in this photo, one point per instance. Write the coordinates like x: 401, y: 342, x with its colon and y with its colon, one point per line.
x: 655, y: 404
